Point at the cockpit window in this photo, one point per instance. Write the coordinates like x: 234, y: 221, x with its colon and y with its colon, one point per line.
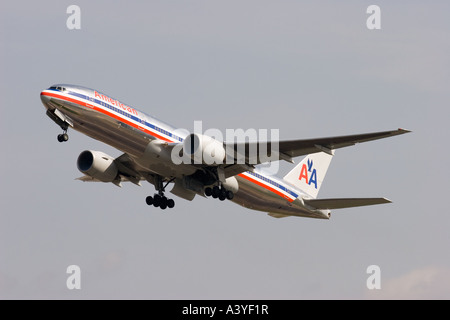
x: 57, y: 88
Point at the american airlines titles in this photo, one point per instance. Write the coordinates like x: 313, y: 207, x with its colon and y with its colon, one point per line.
x: 115, y: 103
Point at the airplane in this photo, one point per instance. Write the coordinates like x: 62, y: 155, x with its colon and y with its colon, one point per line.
x: 148, y: 145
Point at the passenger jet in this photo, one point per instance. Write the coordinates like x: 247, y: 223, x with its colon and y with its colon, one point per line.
x: 148, y: 146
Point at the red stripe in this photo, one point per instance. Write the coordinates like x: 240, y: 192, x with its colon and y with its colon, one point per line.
x: 55, y: 95
x: 110, y: 114
x: 265, y: 186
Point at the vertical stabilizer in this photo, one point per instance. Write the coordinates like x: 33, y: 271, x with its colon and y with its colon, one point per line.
x: 309, y: 174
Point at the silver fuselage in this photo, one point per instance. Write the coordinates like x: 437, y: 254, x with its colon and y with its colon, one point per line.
x: 121, y: 126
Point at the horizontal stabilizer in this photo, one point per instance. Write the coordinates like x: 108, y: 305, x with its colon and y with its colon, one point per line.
x: 344, y: 202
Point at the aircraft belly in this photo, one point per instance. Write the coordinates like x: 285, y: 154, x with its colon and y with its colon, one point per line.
x: 253, y: 196
x: 108, y: 130
x: 123, y: 137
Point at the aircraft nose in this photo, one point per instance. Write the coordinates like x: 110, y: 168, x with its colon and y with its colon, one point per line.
x: 44, y: 98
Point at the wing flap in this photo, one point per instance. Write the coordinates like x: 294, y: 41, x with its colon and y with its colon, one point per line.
x: 341, y: 203
x: 278, y: 215
x: 86, y: 178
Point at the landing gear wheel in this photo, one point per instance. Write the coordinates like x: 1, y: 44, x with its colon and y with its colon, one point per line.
x: 222, y: 195
x: 163, y: 204
x: 149, y: 200
x: 63, y: 137
x: 156, y: 200
x: 219, y: 192
x: 215, y: 192
x: 160, y: 201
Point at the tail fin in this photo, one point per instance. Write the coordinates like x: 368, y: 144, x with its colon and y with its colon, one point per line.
x: 309, y: 174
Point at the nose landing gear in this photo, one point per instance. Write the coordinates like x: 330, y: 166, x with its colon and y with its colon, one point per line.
x: 63, y: 121
x: 63, y: 137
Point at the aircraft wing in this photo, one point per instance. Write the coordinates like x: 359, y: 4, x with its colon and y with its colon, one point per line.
x: 244, y: 156
x: 289, y: 149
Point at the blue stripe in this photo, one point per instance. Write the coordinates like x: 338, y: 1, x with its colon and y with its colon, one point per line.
x: 273, y: 183
x: 130, y: 116
x: 169, y: 134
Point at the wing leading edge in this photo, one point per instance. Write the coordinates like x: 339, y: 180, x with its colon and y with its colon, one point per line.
x: 289, y: 149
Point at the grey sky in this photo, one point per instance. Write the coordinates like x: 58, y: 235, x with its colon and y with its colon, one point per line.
x: 309, y: 68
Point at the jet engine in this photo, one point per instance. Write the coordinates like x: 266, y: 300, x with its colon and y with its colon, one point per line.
x: 231, y: 184
x: 204, y: 149
x: 97, y: 165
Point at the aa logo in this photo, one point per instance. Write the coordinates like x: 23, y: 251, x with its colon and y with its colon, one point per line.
x: 309, y: 174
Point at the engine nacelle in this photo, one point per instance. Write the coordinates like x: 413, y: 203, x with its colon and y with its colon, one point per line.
x: 231, y: 184
x: 97, y: 165
x: 204, y: 149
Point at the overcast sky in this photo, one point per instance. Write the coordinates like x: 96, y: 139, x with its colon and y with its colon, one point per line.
x: 307, y: 68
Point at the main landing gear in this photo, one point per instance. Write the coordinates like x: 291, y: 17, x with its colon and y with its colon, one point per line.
x: 219, y: 193
x: 159, y: 199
